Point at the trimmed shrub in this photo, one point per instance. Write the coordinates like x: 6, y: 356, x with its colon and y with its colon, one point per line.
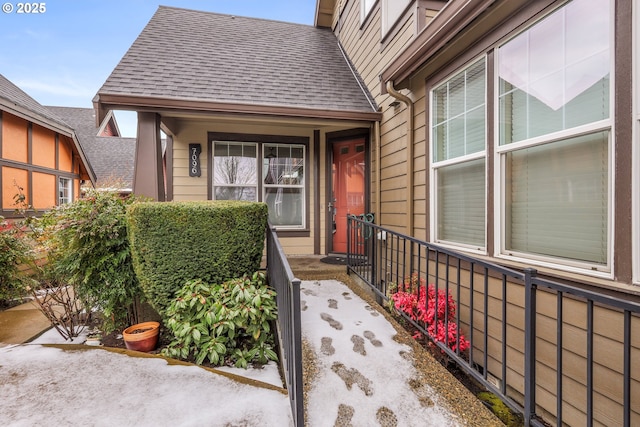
x: 175, y: 242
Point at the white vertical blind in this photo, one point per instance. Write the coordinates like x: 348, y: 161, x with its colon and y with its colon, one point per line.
x: 554, y: 78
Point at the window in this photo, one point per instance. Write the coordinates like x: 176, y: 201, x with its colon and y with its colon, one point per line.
x: 365, y: 8
x: 237, y: 167
x: 555, y: 138
x: 283, y: 179
x: 65, y: 190
x: 458, y: 129
x: 235, y: 171
x: 392, y: 10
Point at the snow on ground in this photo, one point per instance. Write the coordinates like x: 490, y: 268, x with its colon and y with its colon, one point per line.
x: 50, y: 386
x: 363, y: 375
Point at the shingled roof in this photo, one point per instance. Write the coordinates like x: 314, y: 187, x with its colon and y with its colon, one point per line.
x: 14, y: 97
x: 212, y: 59
x: 111, y: 157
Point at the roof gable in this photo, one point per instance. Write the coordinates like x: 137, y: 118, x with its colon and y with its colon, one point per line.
x: 111, y: 157
x: 209, y: 57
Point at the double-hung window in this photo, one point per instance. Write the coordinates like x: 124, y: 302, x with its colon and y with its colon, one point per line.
x: 268, y: 172
x: 458, y: 135
x: 555, y: 138
x: 65, y: 190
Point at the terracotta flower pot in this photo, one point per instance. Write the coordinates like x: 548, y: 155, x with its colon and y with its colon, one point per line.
x: 141, y: 336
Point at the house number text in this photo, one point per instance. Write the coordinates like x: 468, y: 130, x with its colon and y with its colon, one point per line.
x: 194, y: 159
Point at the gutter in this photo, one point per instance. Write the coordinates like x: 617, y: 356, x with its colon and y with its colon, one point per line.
x: 410, y: 149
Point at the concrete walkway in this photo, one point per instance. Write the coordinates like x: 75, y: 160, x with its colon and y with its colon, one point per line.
x: 21, y: 324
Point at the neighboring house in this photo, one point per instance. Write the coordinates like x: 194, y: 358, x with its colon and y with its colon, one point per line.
x: 39, y: 153
x: 111, y: 156
x: 504, y: 129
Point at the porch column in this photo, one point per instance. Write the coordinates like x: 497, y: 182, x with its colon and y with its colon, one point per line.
x: 148, y: 179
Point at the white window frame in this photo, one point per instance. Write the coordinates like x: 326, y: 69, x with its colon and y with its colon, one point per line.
x: 435, y: 165
x: 236, y: 185
x: 388, y: 22
x: 366, y: 6
x: 300, y: 185
x: 65, y: 185
x: 597, y: 270
x: 260, y: 186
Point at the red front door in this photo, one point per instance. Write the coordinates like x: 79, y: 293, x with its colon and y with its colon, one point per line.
x: 348, y: 185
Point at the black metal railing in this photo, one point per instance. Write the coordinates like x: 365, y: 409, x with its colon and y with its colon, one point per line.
x: 287, y: 288
x: 526, y: 336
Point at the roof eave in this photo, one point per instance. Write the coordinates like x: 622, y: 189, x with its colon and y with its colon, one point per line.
x: 324, y: 13
x: 105, y: 102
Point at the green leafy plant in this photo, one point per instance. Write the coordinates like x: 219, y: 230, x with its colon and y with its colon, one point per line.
x: 89, y: 249
x: 175, y: 242
x: 223, y: 322
x: 13, y: 253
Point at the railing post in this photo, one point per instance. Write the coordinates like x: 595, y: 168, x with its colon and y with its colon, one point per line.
x: 529, y: 345
x: 297, y: 350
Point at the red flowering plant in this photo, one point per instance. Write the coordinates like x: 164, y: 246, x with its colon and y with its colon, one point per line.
x: 418, y: 301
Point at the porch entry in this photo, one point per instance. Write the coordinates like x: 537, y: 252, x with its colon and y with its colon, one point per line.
x: 348, y: 181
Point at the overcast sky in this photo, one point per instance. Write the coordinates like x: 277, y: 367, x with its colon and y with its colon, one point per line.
x: 63, y: 55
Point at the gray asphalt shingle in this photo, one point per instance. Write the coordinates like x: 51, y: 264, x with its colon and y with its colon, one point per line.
x: 112, y: 158
x: 203, y: 56
x: 16, y: 96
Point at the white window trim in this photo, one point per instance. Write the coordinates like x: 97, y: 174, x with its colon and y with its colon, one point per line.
x: 240, y: 185
x: 434, y: 166
x: 386, y: 26
x: 260, y: 186
x: 300, y: 186
x: 364, y: 14
x: 596, y: 270
x: 69, y: 182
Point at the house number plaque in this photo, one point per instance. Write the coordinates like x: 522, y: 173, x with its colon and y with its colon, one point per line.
x: 194, y: 159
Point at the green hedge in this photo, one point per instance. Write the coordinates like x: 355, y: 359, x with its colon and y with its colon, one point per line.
x: 174, y: 242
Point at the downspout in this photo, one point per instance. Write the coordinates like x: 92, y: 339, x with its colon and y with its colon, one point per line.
x: 378, y: 143
x: 410, y: 141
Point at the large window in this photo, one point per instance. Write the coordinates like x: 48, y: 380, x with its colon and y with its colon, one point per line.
x: 65, y: 190
x: 237, y: 167
x: 458, y: 133
x: 555, y: 138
